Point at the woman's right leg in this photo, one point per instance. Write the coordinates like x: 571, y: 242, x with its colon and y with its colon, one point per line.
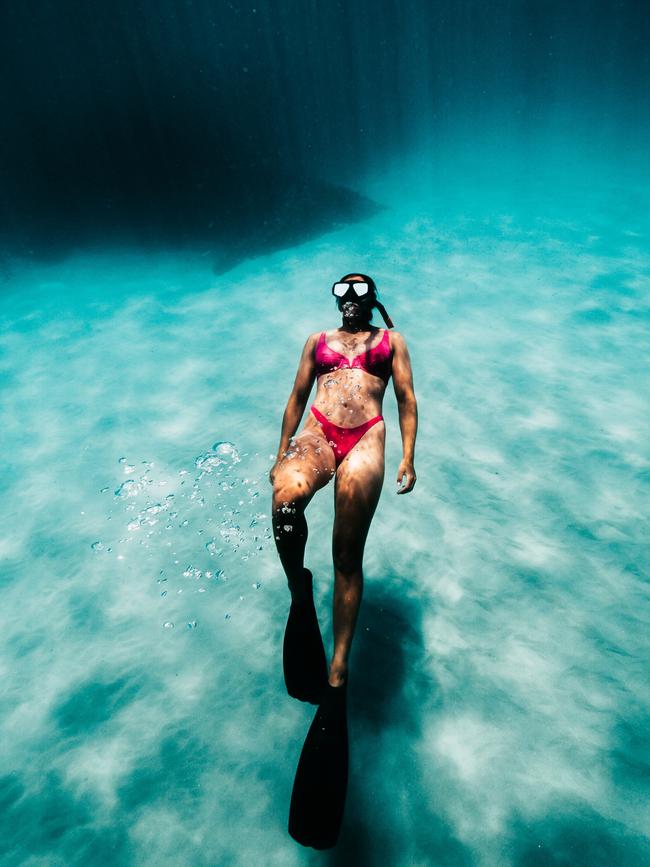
x: 307, y: 466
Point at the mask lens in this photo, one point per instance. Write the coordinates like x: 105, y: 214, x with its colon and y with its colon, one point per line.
x: 361, y: 289
x: 340, y: 289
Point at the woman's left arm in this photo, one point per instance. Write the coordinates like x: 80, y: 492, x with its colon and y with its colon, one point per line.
x: 408, y: 410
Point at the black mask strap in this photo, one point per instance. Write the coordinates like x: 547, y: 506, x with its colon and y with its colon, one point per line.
x: 384, y: 315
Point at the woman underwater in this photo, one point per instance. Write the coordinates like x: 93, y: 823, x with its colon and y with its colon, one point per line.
x: 343, y: 436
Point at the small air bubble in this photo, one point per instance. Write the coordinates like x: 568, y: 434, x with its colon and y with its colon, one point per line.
x: 129, y: 488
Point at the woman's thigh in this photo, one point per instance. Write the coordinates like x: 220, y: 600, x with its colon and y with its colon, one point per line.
x: 358, y: 485
x: 307, y: 466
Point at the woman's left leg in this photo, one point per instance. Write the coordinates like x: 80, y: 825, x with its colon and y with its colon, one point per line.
x: 358, y: 485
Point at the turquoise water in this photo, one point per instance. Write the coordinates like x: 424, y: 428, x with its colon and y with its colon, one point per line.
x: 499, y: 695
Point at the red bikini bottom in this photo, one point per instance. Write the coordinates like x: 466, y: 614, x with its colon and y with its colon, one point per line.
x: 342, y: 439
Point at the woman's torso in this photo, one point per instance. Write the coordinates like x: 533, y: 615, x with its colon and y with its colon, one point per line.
x: 352, y: 373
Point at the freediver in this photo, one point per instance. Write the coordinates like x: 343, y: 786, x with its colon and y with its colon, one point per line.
x: 343, y: 437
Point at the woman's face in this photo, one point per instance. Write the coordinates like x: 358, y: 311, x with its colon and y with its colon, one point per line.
x: 355, y: 308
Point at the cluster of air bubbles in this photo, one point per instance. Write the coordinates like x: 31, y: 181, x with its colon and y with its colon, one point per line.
x: 222, y: 455
x: 210, y: 515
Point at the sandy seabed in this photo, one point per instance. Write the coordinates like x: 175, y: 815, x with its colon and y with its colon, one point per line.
x: 499, y: 694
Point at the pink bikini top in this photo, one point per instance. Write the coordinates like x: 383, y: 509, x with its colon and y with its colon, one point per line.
x: 376, y: 361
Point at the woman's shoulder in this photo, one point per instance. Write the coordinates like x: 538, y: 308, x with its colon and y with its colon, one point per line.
x: 397, y: 343
x: 312, y: 340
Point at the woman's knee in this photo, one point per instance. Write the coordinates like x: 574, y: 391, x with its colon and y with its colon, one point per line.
x: 348, y: 560
x: 290, y: 496
x: 295, y: 487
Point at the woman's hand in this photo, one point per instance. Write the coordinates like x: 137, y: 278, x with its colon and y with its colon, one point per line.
x: 405, y: 469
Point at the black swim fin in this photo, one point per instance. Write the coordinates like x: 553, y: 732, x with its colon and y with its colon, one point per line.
x: 320, y: 786
x: 303, y: 654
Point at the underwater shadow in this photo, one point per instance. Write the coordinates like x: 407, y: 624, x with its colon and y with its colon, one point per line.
x: 387, y: 686
x: 228, y: 216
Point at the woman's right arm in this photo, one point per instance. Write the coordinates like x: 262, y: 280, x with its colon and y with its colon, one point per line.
x: 297, y: 399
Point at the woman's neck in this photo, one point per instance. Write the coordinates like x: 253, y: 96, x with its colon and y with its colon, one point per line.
x: 355, y: 327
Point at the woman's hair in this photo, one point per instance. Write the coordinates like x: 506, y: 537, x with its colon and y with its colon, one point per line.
x: 373, y: 289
